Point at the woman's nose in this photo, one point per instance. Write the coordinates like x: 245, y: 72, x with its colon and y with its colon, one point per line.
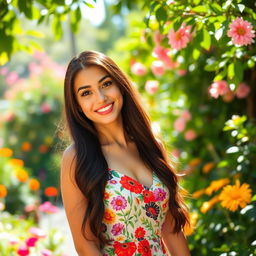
x: 101, y: 96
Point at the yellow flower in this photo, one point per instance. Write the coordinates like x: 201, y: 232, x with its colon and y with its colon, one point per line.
x: 120, y: 238
x: 207, y: 167
x: 194, y: 162
x: 16, y: 162
x: 216, y: 185
x: 209, y: 204
x: 21, y: 175
x: 233, y: 196
x: 198, y: 193
x: 6, y: 152
x: 109, y: 216
x: 3, y: 191
x: 189, y: 229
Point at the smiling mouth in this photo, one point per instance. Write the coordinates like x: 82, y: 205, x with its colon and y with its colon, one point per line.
x: 106, y: 109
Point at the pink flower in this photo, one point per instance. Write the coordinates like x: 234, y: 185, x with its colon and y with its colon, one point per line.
x: 157, y: 68
x: 34, y: 68
x: 48, y: 207
x: 3, y: 71
x: 23, y: 250
x: 119, y: 203
x: 242, y: 91
x: 46, y: 252
x: 190, y: 135
x: 186, y: 115
x: 181, y: 72
x: 241, y: 32
x: 228, y: 96
x: 37, y: 232
x: 45, y: 108
x: 9, y: 116
x: 180, y: 124
x: 151, y: 86
x: 14, y: 240
x: 180, y: 38
x: 175, y: 152
x: 117, y: 229
x: 159, y: 194
x: 30, y: 242
x: 12, y: 78
x: 30, y: 208
x: 162, y: 54
x: 138, y: 69
x: 157, y: 37
x: 218, y: 88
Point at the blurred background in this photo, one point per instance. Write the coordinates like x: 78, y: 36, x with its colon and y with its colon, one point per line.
x: 193, y: 63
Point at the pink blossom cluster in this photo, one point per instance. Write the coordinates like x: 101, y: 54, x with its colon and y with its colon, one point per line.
x: 221, y: 88
x: 180, y: 125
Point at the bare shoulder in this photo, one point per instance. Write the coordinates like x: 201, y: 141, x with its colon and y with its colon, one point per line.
x: 68, y: 160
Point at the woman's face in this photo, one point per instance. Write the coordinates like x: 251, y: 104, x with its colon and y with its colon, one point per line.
x: 98, y: 95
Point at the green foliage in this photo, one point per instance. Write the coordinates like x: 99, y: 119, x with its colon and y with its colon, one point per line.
x: 14, y: 38
x: 223, y: 142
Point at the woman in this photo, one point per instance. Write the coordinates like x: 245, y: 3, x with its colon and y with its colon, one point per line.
x: 120, y: 195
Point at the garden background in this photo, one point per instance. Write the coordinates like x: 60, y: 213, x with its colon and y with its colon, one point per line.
x: 193, y: 62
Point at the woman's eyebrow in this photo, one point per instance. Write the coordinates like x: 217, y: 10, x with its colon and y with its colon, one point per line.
x: 88, y: 86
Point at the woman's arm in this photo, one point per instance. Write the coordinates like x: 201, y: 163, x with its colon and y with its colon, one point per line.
x: 75, y: 206
x: 175, y: 243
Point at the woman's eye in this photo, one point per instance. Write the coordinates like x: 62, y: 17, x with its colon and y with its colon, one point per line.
x: 85, y: 93
x: 107, y: 83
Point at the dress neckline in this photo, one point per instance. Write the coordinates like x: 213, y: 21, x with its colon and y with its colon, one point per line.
x: 122, y: 174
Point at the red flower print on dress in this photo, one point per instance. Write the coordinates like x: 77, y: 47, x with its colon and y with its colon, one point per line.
x: 144, y: 248
x: 152, y: 210
x: 140, y: 232
x: 148, y: 196
x: 109, y: 216
x: 119, y: 203
x: 159, y: 194
x: 124, y: 249
x: 117, y: 229
x: 131, y: 184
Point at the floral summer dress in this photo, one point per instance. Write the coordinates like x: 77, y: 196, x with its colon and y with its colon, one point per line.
x: 133, y: 216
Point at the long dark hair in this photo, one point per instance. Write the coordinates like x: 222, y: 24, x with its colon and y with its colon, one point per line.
x: 91, y: 168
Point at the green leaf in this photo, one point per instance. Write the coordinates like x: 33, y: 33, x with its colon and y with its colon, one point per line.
x: 196, y: 54
x: 200, y: 8
x: 216, y: 8
x: 239, y: 72
x: 250, y: 63
x: 161, y: 15
x: 26, y: 8
x: 206, y: 43
x: 223, y: 163
x: 75, y: 18
x: 177, y: 23
x: 254, y: 198
x: 220, y: 75
x: 56, y: 27
x: 231, y: 70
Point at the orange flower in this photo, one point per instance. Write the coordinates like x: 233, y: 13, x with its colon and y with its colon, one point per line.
x: 189, y: 229
x: 106, y: 195
x: 3, y: 191
x: 51, y: 191
x: 26, y: 146
x: 207, y: 167
x: 209, y: 204
x: 21, y: 175
x: 194, y: 162
x: 43, y: 149
x: 109, y: 216
x: 198, y: 193
x: 216, y: 185
x: 234, y: 196
x: 16, y: 162
x: 6, y: 152
x: 34, y: 184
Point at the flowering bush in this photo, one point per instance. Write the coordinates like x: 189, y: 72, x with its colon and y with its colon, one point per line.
x: 21, y: 237
x: 203, y: 57
x: 31, y: 112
